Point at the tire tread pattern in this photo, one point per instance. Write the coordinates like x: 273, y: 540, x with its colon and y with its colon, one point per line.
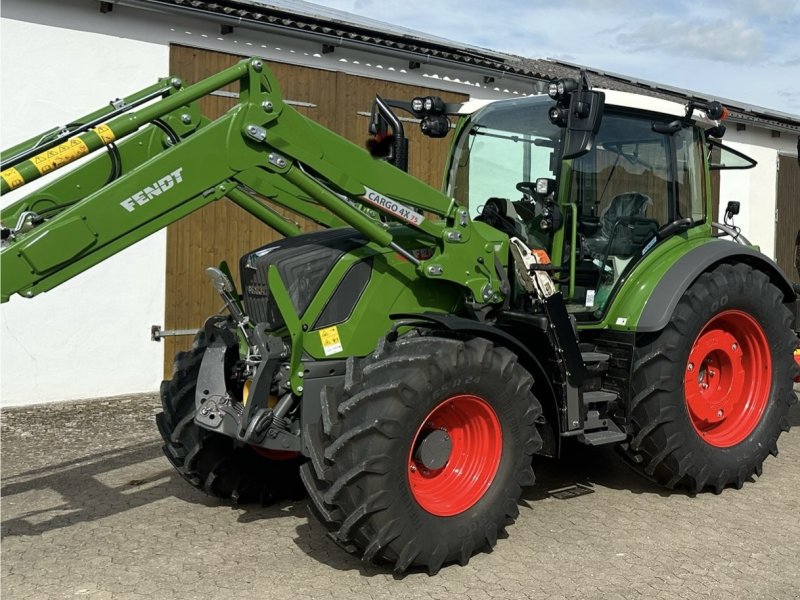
x: 660, y: 447
x: 362, y: 417
x: 209, y: 461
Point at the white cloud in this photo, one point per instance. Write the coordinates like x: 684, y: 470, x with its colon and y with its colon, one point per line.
x: 732, y: 42
x: 791, y: 96
x: 775, y: 9
x: 745, y: 50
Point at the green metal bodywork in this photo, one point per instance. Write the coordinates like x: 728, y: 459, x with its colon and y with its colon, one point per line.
x: 165, y: 160
x: 263, y: 149
x: 262, y: 144
x: 393, y: 288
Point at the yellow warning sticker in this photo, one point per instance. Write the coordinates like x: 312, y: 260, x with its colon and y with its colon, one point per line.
x: 65, y: 153
x: 12, y: 178
x: 104, y: 133
x: 331, y: 343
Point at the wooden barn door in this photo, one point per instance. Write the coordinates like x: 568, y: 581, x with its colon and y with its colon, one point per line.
x: 787, y: 216
x: 223, y: 231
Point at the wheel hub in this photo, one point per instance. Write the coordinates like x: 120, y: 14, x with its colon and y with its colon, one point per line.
x: 728, y: 378
x: 714, y: 374
x: 433, y: 451
x: 454, y: 455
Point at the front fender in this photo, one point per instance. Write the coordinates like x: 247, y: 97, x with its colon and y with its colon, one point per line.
x: 544, y: 384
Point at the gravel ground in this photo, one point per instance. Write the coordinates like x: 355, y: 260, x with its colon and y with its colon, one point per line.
x: 91, y: 508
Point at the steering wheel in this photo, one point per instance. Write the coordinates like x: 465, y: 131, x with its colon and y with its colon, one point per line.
x: 543, y: 215
x: 528, y: 189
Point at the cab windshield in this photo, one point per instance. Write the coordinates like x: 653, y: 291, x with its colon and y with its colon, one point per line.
x: 505, y: 143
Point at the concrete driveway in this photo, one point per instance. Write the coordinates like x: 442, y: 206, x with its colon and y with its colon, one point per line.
x: 91, y: 508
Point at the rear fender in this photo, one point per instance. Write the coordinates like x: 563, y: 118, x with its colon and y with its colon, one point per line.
x: 669, y: 290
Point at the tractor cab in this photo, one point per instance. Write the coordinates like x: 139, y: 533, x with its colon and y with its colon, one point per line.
x: 596, y: 209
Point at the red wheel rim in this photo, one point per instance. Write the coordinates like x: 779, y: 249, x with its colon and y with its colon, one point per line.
x: 476, y: 445
x: 275, y: 454
x: 727, y: 378
x: 797, y: 360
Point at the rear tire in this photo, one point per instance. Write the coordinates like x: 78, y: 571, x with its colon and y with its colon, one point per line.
x: 710, y: 393
x: 210, y: 461
x: 368, y: 481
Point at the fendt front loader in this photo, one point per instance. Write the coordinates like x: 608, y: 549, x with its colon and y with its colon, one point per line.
x: 407, y: 361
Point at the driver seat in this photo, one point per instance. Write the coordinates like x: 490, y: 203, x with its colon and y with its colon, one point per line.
x: 501, y: 214
x: 624, y: 226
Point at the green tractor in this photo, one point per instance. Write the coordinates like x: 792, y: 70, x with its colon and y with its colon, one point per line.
x: 404, y: 364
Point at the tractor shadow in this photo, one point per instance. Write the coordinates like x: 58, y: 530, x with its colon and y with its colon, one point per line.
x: 580, y: 469
x: 87, y: 490
x: 93, y: 487
x: 82, y: 494
x: 794, y: 413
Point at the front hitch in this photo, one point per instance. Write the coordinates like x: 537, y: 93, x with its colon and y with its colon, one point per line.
x: 248, y: 419
x: 252, y: 422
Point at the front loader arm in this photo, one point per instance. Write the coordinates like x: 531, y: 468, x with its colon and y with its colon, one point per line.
x: 261, y: 144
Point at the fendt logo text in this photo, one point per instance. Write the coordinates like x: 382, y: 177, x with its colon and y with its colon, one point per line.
x: 151, y: 191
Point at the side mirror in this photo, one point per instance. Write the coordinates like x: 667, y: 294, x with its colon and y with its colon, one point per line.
x: 388, y: 136
x: 583, y: 122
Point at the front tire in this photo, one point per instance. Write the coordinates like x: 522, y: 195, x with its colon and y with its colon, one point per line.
x: 710, y: 394
x: 421, y: 457
x: 210, y: 461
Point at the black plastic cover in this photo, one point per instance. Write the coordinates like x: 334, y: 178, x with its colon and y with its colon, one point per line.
x: 341, y: 304
x: 303, y: 263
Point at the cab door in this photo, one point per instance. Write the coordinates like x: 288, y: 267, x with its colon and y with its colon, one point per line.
x: 633, y: 182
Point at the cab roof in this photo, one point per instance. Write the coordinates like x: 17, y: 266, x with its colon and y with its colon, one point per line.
x: 613, y: 98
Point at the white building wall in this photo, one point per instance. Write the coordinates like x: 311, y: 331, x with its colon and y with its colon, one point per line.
x: 90, y: 336
x: 756, y: 188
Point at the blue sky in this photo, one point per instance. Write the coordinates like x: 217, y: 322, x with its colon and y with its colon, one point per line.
x: 745, y: 50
